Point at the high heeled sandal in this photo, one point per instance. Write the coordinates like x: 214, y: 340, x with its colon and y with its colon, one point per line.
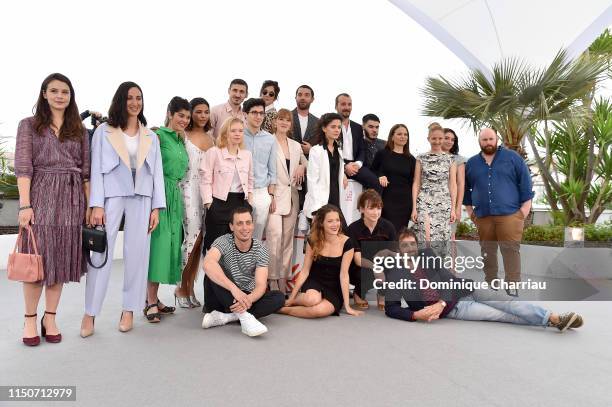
x: 153, y: 317
x: 361, y: 303
x: 379, y: 304
x: 125, y: 328
x: 85, y: 332
x: 166, y: 309
x: 182, y: 302
x: 194, y: 301
x: 34, y: 340
x: 43, y: 331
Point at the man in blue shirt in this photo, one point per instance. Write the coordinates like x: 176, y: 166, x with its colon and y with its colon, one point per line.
x: 498, y: 193
x: 263, y: 147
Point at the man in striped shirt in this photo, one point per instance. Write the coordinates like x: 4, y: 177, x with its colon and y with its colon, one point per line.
x: 236, y: 276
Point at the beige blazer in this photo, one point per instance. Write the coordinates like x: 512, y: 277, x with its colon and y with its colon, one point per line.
x: 285, y: 189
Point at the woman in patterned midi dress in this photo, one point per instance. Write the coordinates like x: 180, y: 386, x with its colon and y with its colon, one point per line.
x: 197, y: 141
x: 52, y: 170
x: 433, y: 192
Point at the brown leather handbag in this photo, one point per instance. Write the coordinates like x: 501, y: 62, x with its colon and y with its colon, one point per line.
x: 25, y: 267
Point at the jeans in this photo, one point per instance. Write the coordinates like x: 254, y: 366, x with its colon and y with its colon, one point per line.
x: 485, y: 305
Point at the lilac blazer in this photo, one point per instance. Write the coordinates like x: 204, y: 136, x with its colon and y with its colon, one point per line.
x: 111, y: 175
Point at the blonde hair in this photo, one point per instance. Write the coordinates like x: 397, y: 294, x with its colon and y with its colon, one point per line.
x: 224, y: 132
x: 435, y: 126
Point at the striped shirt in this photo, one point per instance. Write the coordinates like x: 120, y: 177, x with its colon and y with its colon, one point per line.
x: 240, y: 266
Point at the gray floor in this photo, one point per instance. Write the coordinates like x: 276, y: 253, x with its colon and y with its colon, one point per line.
x: 337, y: 361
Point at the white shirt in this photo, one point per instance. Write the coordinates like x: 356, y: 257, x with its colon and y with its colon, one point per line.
x: 303, y: 124
x: 347, y: 142
x: 131, y: 143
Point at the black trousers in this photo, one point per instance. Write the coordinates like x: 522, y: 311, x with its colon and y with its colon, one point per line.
x: 218, y: 217
x: 367, y: 179
x: 219, y: 299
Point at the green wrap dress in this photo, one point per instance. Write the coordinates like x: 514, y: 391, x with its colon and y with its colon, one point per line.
x: 167, y: 238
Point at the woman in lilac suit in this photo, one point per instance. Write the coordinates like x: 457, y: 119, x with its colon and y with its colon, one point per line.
x: 126, y: 179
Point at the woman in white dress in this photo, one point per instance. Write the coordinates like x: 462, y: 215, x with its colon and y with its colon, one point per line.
x: 198, y: 139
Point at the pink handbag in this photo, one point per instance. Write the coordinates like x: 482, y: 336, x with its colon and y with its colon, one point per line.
x: 25, y: 267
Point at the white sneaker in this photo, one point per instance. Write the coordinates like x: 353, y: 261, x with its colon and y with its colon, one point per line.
x: 214, y: 318
x: 251, y: 326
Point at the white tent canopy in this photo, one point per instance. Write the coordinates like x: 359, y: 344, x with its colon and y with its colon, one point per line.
x: 482, y: 32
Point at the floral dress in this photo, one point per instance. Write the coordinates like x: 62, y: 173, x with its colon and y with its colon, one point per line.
x: 193, y: 219
x: 434, y: 201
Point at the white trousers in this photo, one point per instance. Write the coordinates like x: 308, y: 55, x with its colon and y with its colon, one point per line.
x: 136, y: 242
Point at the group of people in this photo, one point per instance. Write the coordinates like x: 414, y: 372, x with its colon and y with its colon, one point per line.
x: 216, y: 181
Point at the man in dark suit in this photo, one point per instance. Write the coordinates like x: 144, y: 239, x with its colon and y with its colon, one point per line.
x: 304, y: 122
x: 353, y: 148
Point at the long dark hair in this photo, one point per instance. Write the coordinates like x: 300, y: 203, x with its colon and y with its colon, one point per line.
x: 391, y: 145
x: 72, y: 127
x: 193, y: 103
x: 317, y: 233
x: 455, y: 148
x: 117, y: 113
x: 324, y: 121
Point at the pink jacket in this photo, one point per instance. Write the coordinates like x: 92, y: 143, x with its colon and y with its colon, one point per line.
x: 217, y: 173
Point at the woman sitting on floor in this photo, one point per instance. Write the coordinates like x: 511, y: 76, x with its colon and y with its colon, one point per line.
x: 322, y: 286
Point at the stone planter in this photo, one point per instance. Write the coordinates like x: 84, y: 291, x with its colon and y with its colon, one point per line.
x: 8, y: 212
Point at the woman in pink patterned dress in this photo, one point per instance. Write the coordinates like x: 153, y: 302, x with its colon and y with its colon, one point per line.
x: 52, y: 169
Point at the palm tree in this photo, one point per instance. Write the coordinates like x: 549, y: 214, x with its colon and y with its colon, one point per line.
x: 521, y: 102
x: 515, y: 97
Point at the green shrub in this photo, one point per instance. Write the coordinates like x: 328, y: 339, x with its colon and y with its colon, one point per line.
x: 465, y: 228
x: 543, y: 233
x: 8, y: 185
x: 598, y: 233
x: 556, y: 233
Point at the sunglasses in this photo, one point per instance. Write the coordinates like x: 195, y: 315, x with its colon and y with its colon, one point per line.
x: 266, y: 93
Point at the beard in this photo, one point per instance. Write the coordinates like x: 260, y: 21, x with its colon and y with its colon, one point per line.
x: 303, y: 105
x: 488, y: 149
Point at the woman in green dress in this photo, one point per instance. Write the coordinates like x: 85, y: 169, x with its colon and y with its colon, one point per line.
x: 165, y: 255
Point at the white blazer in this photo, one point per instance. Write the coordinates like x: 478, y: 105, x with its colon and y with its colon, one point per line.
x: 317, y: 175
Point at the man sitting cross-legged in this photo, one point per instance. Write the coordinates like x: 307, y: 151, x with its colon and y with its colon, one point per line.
x: 236, y: 277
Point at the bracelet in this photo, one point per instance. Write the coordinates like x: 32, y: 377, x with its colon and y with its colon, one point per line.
x: 21, y: 208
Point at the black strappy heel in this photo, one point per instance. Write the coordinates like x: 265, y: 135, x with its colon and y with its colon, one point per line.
x: 153, y: 317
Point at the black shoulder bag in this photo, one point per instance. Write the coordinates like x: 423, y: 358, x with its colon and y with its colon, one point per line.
x: 94, y: 239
